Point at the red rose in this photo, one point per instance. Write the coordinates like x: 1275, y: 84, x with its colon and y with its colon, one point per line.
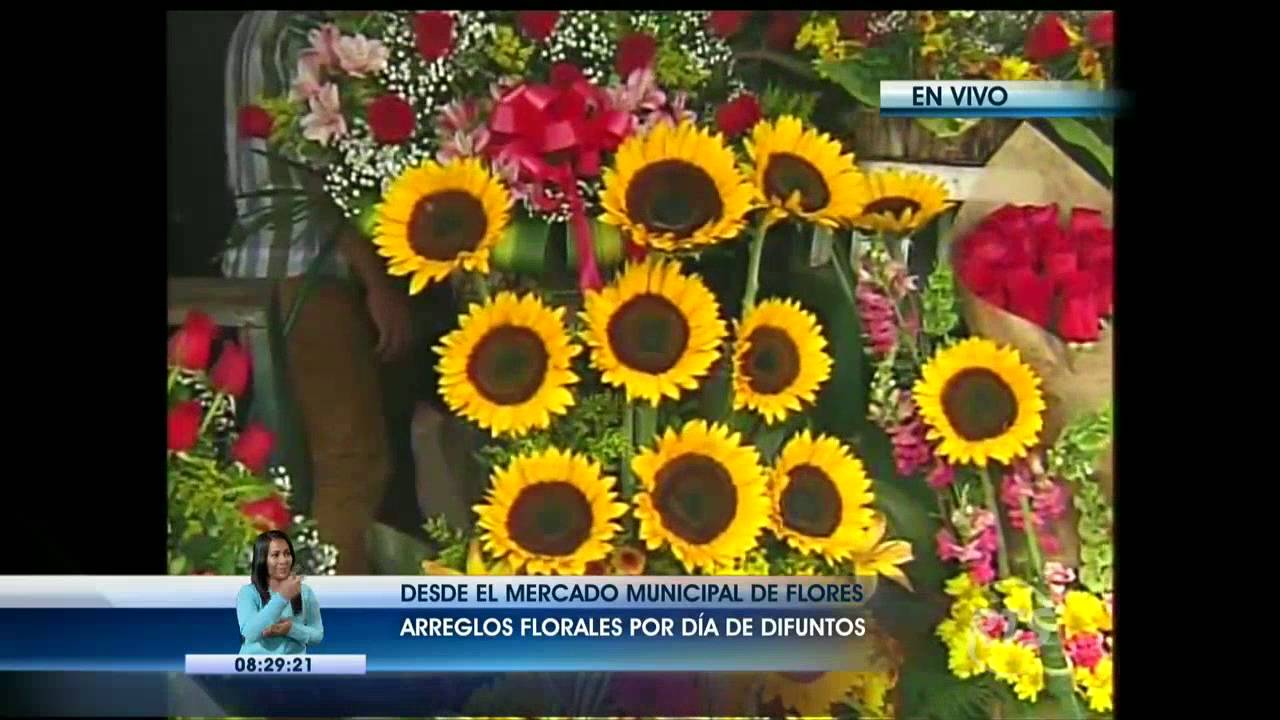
x: 783, y: 27
x: 1084, y: 220
x: 635, y: 51
x: 269, y: 513
x: 1096, y: 248
x: 738, y: 115
x: 564, y: 74
x: 189, y: 348
x: 537, y: 24
x: 1078, y: 321
x: 984, y: 281
x: 231, y: 373
x: 727, y: 23
x: 1058, y: 265
x: 184, y: 425
x: 1104, y: 284
x: 253, y: 447
x: 1047, y: 40
x: 1030, y: 295
x: 391, y: 119
x: 1102, y: 29
x: 433, y: 34
x: 854, y: 24
x: 254, y: 122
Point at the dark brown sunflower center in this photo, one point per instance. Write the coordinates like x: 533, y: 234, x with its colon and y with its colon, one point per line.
x: 787, y: 174
x: 979, y: 404
x: 648, y: 333
x: 811, y: 502
x: 895, y: 206
x: 551, y: 518
x: 696, y: 497
x: 802, y: 677
x: 508, y: 365
x: 771, y: 362
x: 673, y: 196
x: 447, y: 223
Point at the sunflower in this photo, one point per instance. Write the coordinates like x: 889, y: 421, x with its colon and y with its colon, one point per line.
x: 802, y: 173
x: 901, y: 202
x: 676, y: 188
x: 436, y: 218
x: 982, y: 401
x: 550, y: 512
x: 779, y: 359
x: 703, y: 493
x: 508, y: 366
x: 821, y: 497
x: 653, y: 331
x: 810, y: 694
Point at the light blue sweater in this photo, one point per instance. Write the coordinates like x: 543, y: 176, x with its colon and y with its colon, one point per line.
x: 254, y: 617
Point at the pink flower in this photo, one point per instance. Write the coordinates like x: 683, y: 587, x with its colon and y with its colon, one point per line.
x: 879, y: 320
x: 910, y: 448
x: 1059, y: 574
x: 466, y: 145
x: 325, y: 121
x: 983, y: 573
x: 1028, y: 638
x: 307, y: 84
x: 988, y: 541
x: 324, y: 43
x: 941, y: 476
x: 359, y: 56
x: 994, y: 625
x: 639, y: 94
x: 1085, y: 650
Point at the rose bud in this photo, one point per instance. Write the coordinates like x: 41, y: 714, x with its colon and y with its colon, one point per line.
x: 270, y: 513
x: 184, y: 425
x: 231, y: 373
x: 190, y: 346
x: 253, y: 447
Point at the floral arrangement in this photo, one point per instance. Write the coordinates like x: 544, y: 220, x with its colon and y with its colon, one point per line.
x: 222, y: 491
x: 658, y: 419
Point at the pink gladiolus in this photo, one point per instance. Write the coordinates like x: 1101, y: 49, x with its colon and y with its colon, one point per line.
x: 982, y: 574
x: 879, y: 319
x: 941, y: 476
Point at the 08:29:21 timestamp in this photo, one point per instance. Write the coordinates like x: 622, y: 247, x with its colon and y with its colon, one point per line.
x: 277, y: 664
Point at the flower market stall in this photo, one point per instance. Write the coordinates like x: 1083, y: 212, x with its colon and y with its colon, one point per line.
x: 704, y: 335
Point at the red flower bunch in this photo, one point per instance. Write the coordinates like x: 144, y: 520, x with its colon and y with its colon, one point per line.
x: 1047, y: 40
x: 1022, y: 260
x: 433, y: 34
x: 269, y: 513
x: 391, y: 119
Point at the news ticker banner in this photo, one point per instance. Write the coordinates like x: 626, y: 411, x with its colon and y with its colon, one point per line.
x: 965, y: 99
x: 399, y: 624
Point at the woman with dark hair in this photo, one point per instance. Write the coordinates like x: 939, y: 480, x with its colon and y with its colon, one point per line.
x: 278, y: 614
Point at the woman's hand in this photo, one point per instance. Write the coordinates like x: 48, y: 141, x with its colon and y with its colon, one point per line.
x: 283, y: 627
x: 291, y: 587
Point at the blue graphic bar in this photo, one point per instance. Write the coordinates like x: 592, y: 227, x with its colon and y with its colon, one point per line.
x: 996, y: 98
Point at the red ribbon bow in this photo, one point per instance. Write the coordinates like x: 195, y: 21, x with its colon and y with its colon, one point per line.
x: 555, y: 134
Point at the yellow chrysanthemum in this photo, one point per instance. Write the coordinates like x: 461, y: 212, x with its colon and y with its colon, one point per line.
x: 900, y: 202
x: 1097, y: 684
x: 981, y: 401
x: 1019, y: 665
x: 653, y: 331
x: 809, y: 694
x: 703, y: 494
x: 821, y: 497
x: 1017, y: 597
x: 437, y: 218
x: 969, y: 654
x: 676, y: 188
x: 550, y: 512
x: 804, y: 174
x: 779, y: 360
x: 1084, y: 613
x: 507, y: 367
x: 873, y: 557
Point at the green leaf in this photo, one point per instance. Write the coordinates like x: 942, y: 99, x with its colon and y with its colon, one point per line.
x: 1077, y: 133
x: 523, y: 248
x: 178, y: 565
x: 860, y: 76
x: 392, y: 552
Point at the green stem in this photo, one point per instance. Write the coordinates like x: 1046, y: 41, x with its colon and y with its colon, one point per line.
x: 213, y: 411
x: 629, y: 436
x: 844, y: 273
x: 1033, y: 542
x: 989, y: 490
x: 482, y: 285
x: 753, y: 270
x: 173, y: 377
x: 782, y: 60
x: 646, y: 423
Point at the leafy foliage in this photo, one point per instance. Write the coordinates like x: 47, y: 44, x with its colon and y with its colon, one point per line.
x: 777, y: 101
x: 593, y: 427
x: 1072, y: 458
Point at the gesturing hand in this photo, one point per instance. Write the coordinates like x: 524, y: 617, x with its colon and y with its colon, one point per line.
x: 390, y: 312
x: 291, y: 587
x: 283, y: 627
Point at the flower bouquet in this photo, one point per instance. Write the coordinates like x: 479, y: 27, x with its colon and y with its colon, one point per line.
x: 222, y: 491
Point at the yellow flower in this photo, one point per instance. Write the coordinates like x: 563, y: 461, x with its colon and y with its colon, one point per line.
x: 1018, y: 665
x: 970, y: 654
x: 804, y: 174
x: 476, y: 564
x: 1018, y: 598
x: 653, y: 331
x: 779, y: 360
x: 894, y: 201
x: 1029, y: 684
x: 676, y: 188
x: 550, y: 512
x: 871, y: 693
x: 1090, y: 66
x: 982, y: 401
x: 1084, y: 613
x: 872, y: 556
x: 821, y: 497
x: 823, y: 34
x: 1012, y: 68
x: 703, y: 493
x: 436, y: 218
x: 508, y: 366
x: 810, y: 694
x: 1097, y: 684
